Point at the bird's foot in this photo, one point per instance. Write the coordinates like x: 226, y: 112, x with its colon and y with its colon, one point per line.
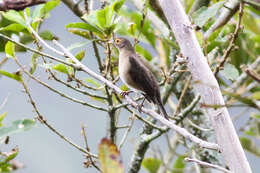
x: 124, y: 93
x: 139, y: 106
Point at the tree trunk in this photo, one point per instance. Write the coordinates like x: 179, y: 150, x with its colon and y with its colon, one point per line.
x: 206, y: 84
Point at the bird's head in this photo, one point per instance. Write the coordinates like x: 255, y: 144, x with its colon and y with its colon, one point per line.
x: 123, y: 43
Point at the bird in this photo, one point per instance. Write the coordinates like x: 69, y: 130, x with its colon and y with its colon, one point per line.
x: 136, y: 75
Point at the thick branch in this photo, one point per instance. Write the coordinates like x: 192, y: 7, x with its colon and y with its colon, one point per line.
x: 6, y: 5
x: 207, y: 86
x: 77, y: 10
x: 228, y: 11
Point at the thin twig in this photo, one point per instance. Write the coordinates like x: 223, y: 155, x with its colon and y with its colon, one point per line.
x: 252, y: 74
x: 196, y: 165
x: 77, y: 89
x: 198, y: 127
x: 229, y: 9
x: 3, y: 61
x: 38, y: 37
x: 209, y: 165
x: 4, y: 102
x: 241, y: 79
x: 58, y: 92
x: 39, y: 52
x: 132, y: 118
x: 85, y: 85
x: 43, y: 120
x: 182, y: 96
x: 87, y: 147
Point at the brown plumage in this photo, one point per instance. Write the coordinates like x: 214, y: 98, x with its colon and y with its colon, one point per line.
x: 136, y: 75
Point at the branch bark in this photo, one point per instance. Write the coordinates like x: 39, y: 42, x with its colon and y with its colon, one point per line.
x: 6, y: 5
x: 229, y: 10
x: 206, y: 84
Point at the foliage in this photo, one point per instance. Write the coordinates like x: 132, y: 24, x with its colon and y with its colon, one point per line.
x: 7, y: 162
x: 117, y: 17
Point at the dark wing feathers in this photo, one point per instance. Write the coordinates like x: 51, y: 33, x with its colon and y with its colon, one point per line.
x: 143, y: 78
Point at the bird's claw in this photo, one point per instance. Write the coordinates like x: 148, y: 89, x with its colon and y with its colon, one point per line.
x: 124, y: 93
x: 139, y: 108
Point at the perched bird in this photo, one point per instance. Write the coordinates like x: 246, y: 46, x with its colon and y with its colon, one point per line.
x: 136, y: 75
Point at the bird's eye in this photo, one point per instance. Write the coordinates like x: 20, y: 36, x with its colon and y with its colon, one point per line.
x: 117, y: 41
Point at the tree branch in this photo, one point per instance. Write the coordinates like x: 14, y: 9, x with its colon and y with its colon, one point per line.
x: 6, y: 5
x: 228, y: 11
x: 209, y: 165
x: 252, y: 74
x: 241, y: 79
x: 43, y: 121
x: 74, y: 7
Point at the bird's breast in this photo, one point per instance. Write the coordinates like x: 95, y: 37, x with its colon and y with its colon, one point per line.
x: 124, y: 72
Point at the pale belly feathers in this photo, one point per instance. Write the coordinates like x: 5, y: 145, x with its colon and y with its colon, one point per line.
x: 124, y: 72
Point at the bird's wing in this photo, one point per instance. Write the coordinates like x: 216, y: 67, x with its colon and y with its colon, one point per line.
x: 142, y: 77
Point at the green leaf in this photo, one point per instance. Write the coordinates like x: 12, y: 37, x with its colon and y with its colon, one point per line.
x: 201, y: 16
x: 253, y: 129
x: 36, y: 15
x: 132, y: 29
x: 104, y: 17
x: 250, y: 22
x: 78, y: 45
x: 80, y: 55
x: 11, y: 75
x: 256, y: 95
x: 11, y: 155
x: 93, y: 82
x: 179, y: 165
x: 15, y: 27
x: 230, y: 72
x: 109, y: 156
x: 33, y: 63
x: 1, y: 118
x: 142, y: 51
x: 151, y: 164
x: 9, y: 49
x: 14, y: 16
x: 85, y: 26
x: 61, y: 68
x: 124, y: 88
x: 48, y: 7
x: 249, y: 145
x: 147, y: 31
x: 16, y: 127
x: 81, y: 33
x: 110, y: 29
x: 47, y: 35
x: 117, y: 5
x: 90, y: 18
x: 256, y: 116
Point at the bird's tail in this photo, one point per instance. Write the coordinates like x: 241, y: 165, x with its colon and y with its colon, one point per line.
x: 159, y: 103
